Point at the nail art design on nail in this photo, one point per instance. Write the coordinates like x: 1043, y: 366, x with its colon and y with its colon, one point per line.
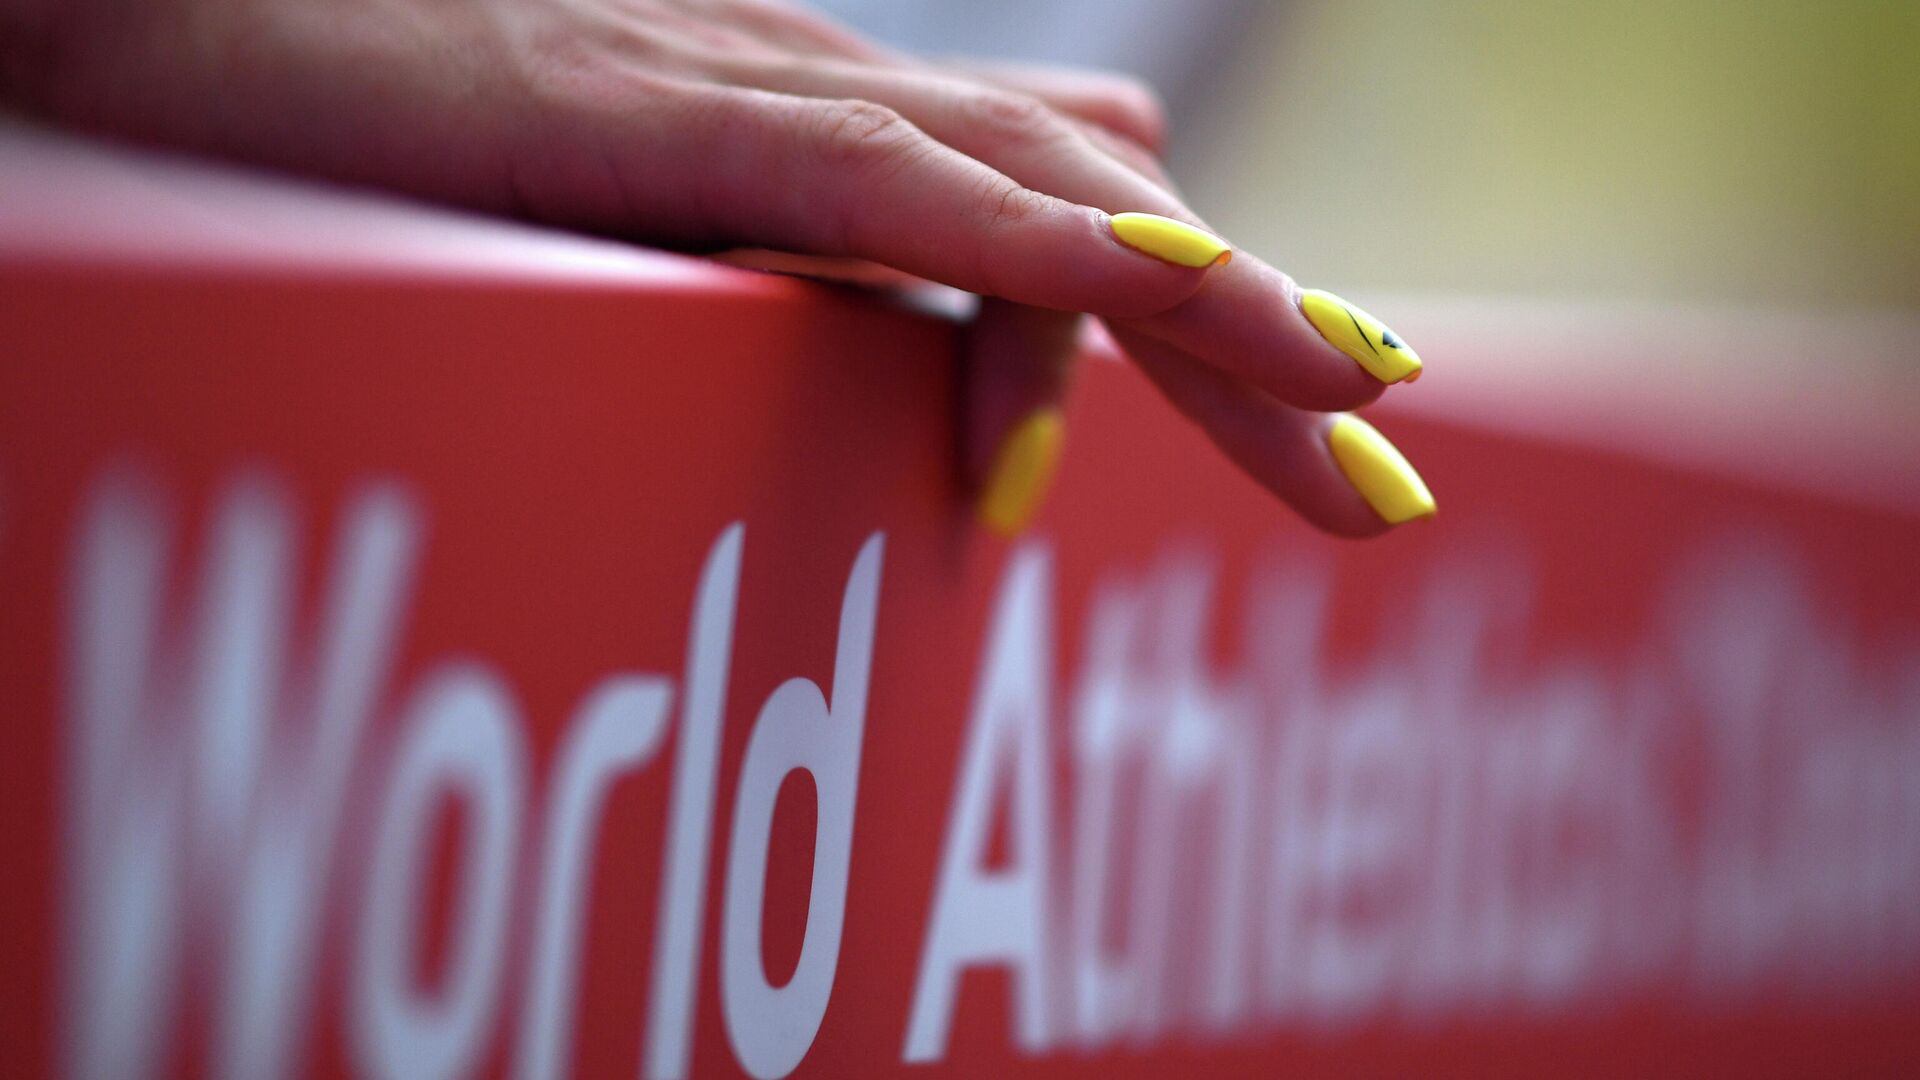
x: 1022, y: 472
x: 1171, y: 241
x: 1378, y: 471
x: 1361, y: 336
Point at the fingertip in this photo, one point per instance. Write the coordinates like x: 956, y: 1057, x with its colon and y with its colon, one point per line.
x: 1022, y: 472
x: 1305, y: 347
x: 1369, y: 342
x: 1019, y: 362
x: 1378, y: 471
x: 1085, y: 267
x: 1337, y: 471
x: 1170, y: 240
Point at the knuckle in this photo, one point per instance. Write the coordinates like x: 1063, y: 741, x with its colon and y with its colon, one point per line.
x: 1012, y: 119
x: 1003, y: 205
x: 861, y: 135
x: 861, y: 147
x: 1009, y: 204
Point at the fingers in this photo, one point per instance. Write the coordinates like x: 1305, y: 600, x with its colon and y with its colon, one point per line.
x: 1016, y: 369
x: 1250, y: 322
x: 1118, y: 103
x: 1335, y: 470
x: 1017, y: 134
x: 724, y: 165
x: 1246, y: 321
x: 942, y: 177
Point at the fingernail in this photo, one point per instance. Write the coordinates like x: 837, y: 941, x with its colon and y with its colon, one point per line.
x: 1022, y: 470
x: 1378, y: 471
x: 1360, y: 336
x: 1173, y: 241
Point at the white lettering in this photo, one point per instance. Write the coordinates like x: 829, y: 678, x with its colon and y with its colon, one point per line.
x: 683, y: 885
x: 997, y: 917
x: 771, y: 1027
x: 618, y: 729
x: 462, y: 738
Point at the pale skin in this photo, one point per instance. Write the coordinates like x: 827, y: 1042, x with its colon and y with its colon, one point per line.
x: 709, y: 124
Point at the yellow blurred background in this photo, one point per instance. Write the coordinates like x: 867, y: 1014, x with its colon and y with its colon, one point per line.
x: 1761, y: 153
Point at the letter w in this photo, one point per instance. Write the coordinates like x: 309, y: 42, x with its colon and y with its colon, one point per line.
x: 205, y: 773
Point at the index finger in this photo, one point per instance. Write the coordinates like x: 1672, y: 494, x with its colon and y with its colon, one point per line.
x: 735, y: 166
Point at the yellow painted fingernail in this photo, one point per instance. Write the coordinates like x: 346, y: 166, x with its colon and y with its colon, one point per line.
x: 1361, y: 336
x: 1022, y: 471
x: 1378, y: 471
x: 1173, y: 241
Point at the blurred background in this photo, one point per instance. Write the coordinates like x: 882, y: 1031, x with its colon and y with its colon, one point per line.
x: 1764, y: 153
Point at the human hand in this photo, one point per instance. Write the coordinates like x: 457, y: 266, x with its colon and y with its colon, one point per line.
x: 702, y: 124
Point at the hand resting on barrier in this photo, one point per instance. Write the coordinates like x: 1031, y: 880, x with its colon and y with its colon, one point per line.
x: 707, y: 124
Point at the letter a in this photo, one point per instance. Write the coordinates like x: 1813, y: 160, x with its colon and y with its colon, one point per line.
x: 999, y: 917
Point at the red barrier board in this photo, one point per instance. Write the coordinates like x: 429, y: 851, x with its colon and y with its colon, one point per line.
x: 441, y: 659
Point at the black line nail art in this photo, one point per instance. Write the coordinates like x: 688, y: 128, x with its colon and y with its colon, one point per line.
x: 1362, y: 331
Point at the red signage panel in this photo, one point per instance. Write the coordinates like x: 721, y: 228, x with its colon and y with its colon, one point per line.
x: 427, y: 675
